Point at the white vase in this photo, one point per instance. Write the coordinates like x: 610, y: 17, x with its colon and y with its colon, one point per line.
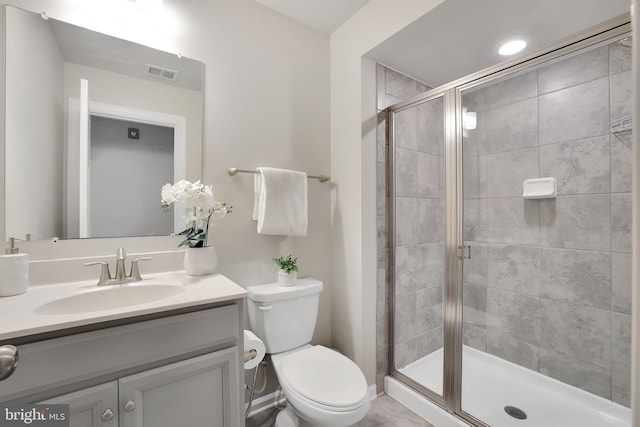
x: 200, y: 261
x: 287, y: 279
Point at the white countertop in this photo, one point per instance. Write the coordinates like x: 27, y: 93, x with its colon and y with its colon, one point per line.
x: 19, y: 314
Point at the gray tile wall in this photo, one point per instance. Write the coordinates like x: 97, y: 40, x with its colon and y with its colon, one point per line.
x: 419, y: 223
x: 548, y: 285
x: 419, y: 254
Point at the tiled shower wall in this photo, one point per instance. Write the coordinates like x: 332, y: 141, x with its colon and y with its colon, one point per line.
x: 392, y: 87
x: 548, y: 285
x: 419, y: 231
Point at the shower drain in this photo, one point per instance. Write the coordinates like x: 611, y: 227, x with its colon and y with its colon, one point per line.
x: 515, y: 412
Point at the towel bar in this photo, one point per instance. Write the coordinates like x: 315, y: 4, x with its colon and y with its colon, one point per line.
x: 234, y: 171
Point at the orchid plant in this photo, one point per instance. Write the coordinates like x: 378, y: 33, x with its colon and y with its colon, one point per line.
x: 201, y: 208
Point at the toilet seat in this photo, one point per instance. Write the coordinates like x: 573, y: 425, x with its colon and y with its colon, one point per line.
x: 325, y: 377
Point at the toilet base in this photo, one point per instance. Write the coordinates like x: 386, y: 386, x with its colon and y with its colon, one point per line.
x: 288, y: 418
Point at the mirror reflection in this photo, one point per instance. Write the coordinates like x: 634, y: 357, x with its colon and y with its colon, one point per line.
x: 94, y: 127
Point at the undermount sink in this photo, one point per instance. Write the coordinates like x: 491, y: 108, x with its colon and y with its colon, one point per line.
x: 109, y: 298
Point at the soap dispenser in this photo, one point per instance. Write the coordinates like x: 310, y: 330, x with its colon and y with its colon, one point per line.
x: 14, y: 271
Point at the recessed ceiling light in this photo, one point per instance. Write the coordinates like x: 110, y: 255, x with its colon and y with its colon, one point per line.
x: 512, y: 47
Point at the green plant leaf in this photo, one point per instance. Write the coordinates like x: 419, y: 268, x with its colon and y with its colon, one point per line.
x: 288, y: 264
x: 185, y: 231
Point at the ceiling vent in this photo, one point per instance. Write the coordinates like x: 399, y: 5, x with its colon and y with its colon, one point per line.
x: 162, y: 73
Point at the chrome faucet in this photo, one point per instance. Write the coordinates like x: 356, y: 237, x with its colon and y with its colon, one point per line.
x: 121, y: 276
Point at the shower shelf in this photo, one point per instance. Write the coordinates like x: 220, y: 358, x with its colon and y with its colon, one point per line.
x: 622, y: 125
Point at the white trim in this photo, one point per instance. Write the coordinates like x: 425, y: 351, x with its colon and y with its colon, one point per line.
x: 179, y: 125
x: 271, y: 400
x: 266, y: 402
x: 119, y: 112
x: 373, y: 391
x: 84, y: 148
x: 423, y: 407
x: 72, y: 173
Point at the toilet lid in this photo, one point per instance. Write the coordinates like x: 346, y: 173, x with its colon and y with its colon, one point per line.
x: 325, y: 376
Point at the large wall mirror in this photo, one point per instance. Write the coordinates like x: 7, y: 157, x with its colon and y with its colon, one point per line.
x: 94, y: 127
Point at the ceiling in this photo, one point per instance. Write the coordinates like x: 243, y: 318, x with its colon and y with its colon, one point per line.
x: 96, y: 50
x: 460, y: 37
x: 323, y: 15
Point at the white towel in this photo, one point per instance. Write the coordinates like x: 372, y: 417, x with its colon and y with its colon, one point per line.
x: 280, y: 203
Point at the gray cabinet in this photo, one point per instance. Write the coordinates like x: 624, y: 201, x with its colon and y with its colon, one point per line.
x: 92, y: 407
x: 197, y: 392
x: 176, y: 371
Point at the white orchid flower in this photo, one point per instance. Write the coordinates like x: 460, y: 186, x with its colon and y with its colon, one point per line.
x: 199, y: 202
x: 168, y: 196
x: 218, y: 210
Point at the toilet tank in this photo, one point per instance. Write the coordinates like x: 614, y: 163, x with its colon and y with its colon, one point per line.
x: 284, y: 317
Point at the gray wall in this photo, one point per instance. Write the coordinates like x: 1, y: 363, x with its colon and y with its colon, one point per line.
x: 550, y: 279
x: 126, y: 176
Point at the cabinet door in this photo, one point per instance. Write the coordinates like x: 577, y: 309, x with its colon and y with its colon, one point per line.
x: 198, y: 392
x: 92, y: 407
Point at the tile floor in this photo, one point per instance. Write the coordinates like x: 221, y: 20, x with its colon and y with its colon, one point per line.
x: 384, y: 412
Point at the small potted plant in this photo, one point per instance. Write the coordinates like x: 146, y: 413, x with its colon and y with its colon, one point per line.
x: 288, y: 273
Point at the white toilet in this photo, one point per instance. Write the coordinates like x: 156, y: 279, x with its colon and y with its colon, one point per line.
x: 322, y: 387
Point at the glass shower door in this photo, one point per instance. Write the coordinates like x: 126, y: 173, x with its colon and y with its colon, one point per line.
x: 545, y: 293
x: 417, y: 239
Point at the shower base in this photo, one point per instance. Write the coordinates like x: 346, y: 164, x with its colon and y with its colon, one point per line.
x: 490, y: 384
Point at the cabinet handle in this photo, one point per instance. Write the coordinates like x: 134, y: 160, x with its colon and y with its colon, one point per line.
x: 8, y: 361
x: 129, y: 406
x: 107, y: 415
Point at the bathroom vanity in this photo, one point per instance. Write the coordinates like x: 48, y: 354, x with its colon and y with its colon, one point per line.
x: 173, y: 361
x: 165, y: 350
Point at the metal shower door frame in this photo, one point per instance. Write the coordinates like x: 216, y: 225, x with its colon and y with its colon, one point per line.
x: 451, y: 399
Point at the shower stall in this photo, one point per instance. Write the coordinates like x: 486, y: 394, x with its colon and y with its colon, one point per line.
x: 509, y: 227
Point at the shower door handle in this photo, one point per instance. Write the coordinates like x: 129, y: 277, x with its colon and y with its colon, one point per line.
x: 461, y: 249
